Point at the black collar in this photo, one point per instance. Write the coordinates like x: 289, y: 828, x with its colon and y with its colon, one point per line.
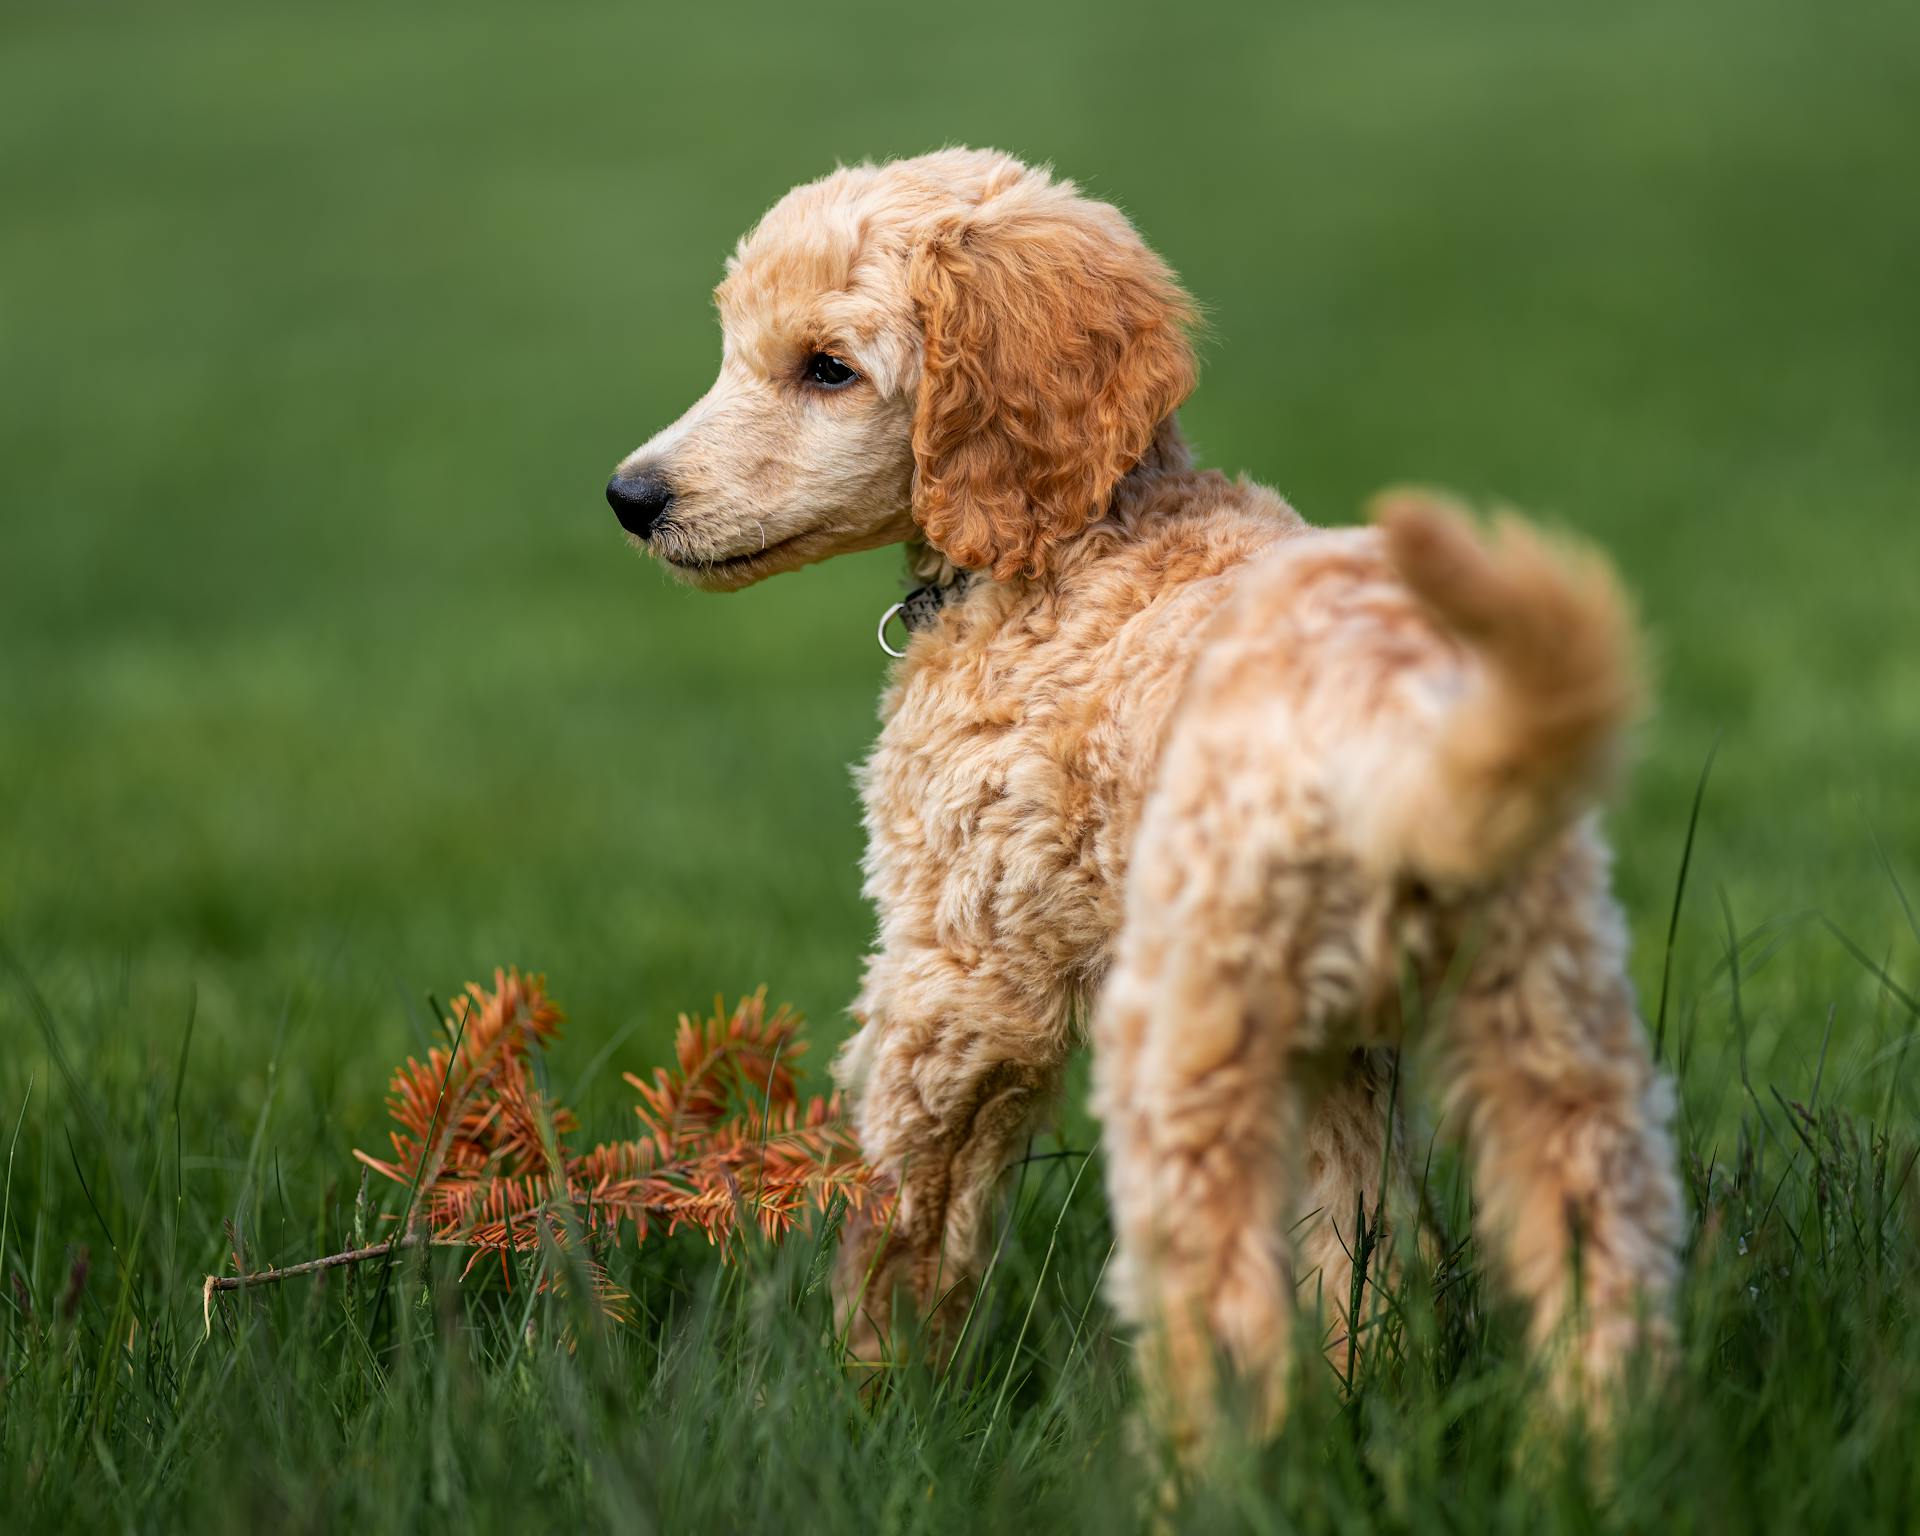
x: 921, y: 607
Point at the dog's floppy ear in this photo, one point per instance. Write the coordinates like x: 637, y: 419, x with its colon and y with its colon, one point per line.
x: 1056, y: 344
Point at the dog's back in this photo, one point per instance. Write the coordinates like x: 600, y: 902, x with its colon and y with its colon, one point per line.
x: 1378, y: 776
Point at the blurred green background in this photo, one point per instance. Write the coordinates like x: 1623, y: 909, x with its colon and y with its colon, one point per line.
x: 326, y: 678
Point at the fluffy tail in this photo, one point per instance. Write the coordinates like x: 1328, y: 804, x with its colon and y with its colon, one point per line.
x: 1553, y: 683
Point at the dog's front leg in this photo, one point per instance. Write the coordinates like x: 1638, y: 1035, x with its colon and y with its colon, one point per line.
x: 949, y: 1072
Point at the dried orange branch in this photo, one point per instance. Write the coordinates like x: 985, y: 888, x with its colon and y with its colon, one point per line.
x: 728, y: 1138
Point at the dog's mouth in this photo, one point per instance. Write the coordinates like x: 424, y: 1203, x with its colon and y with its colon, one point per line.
x: 718, y: 570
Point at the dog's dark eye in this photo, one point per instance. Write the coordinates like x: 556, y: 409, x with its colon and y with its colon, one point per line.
x: 826, y: 370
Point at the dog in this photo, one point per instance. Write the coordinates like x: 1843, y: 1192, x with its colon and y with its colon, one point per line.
x: 1161, y: 756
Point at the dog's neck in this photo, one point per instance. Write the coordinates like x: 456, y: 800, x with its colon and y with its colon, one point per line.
x: 1167, y: 454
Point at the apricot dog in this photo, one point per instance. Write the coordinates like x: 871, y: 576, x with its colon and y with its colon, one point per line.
x: 1162, y: 756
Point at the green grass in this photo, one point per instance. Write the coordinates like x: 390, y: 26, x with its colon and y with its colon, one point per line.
x: 325, y: 682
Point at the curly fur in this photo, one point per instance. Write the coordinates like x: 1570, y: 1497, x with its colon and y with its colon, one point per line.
x: 1185, y: 766
x: 1054, y: 346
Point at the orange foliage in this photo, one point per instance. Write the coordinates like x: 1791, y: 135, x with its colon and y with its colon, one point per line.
x: 728, y: 1137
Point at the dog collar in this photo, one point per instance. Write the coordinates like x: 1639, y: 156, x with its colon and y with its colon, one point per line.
x: 918, y: 609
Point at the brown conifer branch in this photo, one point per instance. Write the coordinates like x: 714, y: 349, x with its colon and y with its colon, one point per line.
x: 729, y: 1143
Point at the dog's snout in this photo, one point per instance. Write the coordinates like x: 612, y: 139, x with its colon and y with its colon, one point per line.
x: 640, y: 500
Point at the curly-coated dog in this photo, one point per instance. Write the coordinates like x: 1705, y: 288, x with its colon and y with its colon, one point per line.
x: 1160, y: 755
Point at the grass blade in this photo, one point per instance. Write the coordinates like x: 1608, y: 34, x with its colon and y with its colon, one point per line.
x: 1679, y: 896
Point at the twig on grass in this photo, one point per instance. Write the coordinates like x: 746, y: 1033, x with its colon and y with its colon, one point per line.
x: 307, y: 1267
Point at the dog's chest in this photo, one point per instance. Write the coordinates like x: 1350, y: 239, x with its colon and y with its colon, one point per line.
x: 1002, y: 796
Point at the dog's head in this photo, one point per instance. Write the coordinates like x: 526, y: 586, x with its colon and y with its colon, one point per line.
x: 956, y: 344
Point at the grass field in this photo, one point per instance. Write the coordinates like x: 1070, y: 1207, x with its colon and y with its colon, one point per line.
x: 326, y: 683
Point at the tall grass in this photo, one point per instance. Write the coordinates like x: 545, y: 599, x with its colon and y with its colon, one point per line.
x: 475, y: 1405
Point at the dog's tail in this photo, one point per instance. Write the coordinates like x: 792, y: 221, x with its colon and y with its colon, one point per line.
x: 1552, y: 681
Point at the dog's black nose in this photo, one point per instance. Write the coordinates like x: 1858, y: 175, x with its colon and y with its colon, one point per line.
x: 640, y: 501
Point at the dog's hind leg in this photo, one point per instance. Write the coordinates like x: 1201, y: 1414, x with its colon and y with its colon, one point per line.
x: 1567, y: 1119
x: 1203, y: 1109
